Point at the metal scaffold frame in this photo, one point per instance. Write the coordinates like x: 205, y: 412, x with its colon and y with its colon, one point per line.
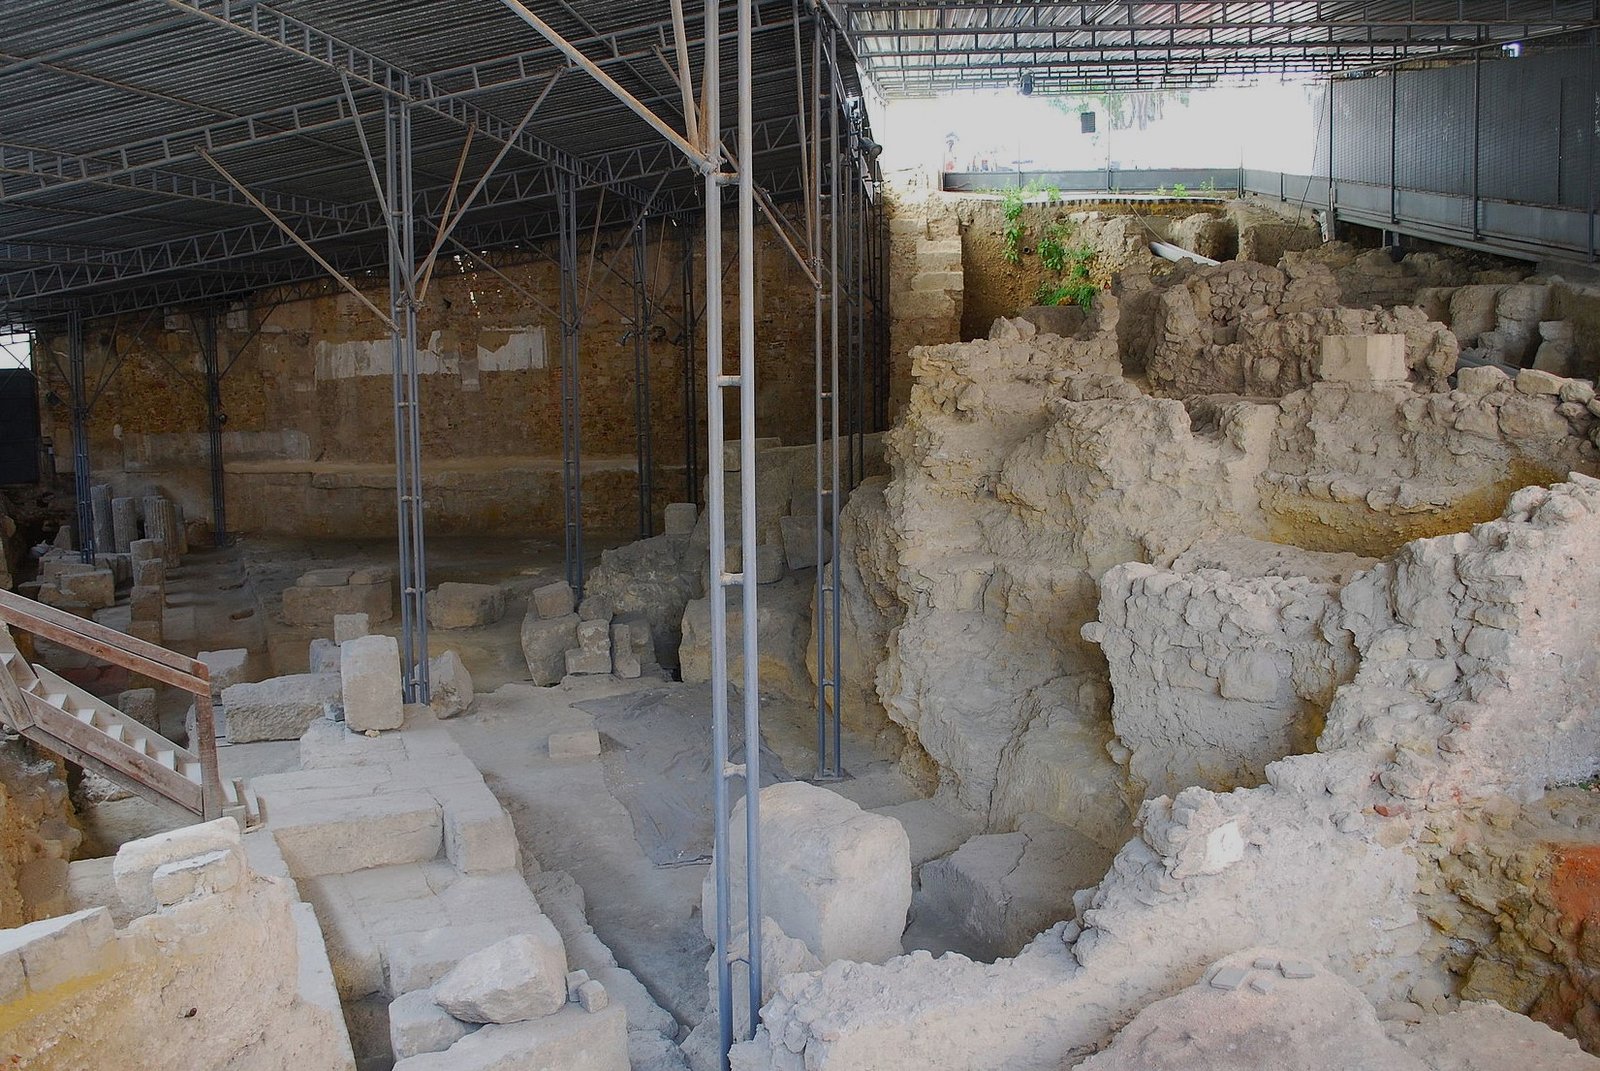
x: 403, y: 301
x: 640, y: 332
x: 571, y: 316
x: 81, y: 405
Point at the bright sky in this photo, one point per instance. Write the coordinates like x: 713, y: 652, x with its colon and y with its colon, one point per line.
x: 15, y: 351
x: 1269, y: 126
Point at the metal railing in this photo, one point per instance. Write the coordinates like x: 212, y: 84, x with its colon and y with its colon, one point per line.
x: 138, y: 656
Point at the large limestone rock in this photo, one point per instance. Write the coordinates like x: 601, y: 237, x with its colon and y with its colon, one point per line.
x: 570, y: 1040
x: 653, y: 578
x: 280, y: 708
x: 997, y: 891
x: 842, y: 881
x: 323, y: 594
x: 369, y: 672
x: 1258, y: 1009
x: 782, y: 634
x: 521, y: 977
x: 545, y: 642
x: 450, y: 685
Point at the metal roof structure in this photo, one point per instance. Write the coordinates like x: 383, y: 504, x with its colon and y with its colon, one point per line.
x: 917, y: 48
x: 146, y: 145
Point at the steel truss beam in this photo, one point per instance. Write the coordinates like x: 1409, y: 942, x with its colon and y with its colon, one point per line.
x: 76, y: 268
x: 264, y: 24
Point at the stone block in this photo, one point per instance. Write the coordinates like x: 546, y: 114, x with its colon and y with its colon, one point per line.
x: 323, y: 656
x: 1480, y: 381
x: 161, y: 525
x: 420, y: 959
x: 150, y: 573
x: 280, y: 708
x: 369, y: 672
x: 478, y: 835
x: 450, y: 685
x: 594, y: 637
x: 418, y: 1025
x: 350, y: 627
x: 624, y: 662
x: 592, y: 996
x: 54, y: 951
x: 316, y: 605
x: 522, y: 977
x: 678, y: 518
x: 553, y: 601
x: 124, y: 523
x: 545, y: 643
x: 96, y: 587
x: 800, y: 542
x: 1362, y: 359
x: 1533, y: 381
x: 227, y: 668
x: 148, y: 631
x: 842, y: 884
x: 580, y: 662
x: 769, y: 563
x: 644, y: 1013
x: 138, y: 860
x: 572, y: 1040
x: 362, y: 832
x: 584, y: 744
x: 200, y: 875
x: 140, y: 705
x: 453, y: 605
x: 144, y: 550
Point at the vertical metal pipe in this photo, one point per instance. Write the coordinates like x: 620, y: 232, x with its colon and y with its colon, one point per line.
x: 421, y: 689
x: 716, y: 521
x: 80, y: 437
x: 210, y: 343
x: 836, y: 766
x: 641, y: 381
x: 1394, y: 144
x: 823, y: 494
x: 571, y: 399
x: 398, y: 273
x: 691, y: 420
x: 747, y: 507
x: 1477, y: 126
x: 407, y: 389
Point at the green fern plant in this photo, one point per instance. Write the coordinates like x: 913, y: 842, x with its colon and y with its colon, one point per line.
x: 1011, y: 202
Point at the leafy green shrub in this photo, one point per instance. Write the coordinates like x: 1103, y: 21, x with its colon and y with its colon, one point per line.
x: 1011, y: 202
x: 1070, y: 293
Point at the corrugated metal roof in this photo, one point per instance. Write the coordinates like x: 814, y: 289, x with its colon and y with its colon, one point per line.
x: 106, y: 106
x: 913, y: 48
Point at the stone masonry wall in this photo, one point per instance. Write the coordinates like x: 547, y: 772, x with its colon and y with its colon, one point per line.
x: 309, y: 437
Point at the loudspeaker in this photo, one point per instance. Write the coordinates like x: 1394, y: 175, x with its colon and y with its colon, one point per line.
x: 1086, y: 121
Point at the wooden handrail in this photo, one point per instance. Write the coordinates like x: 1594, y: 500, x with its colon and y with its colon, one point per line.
x: 115, y: 647
x: 140, y: 656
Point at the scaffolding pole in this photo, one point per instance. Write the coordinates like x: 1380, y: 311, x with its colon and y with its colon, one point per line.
x: 571, y: 430
x: 209, y: 343
x: 407, y: 419
x: 641, y: 382
x: 830, y: 764
x: 80, y: 437
x: 691, y: 419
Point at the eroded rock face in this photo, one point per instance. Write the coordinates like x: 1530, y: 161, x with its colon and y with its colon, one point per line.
x: 1250, y: 329
x: 1475, y: 683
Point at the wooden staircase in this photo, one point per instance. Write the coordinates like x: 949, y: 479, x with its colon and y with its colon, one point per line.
x: 61, y: 717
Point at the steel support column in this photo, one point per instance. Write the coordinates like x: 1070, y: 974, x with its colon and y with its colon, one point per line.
x: 691, y: 420
x: 80, y: 437
x: 641, y: 382
x: 830, y: 765
x: 209, y: 342
x: 407, y: 419
x: 724, y: 771
x: 571, y: 425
